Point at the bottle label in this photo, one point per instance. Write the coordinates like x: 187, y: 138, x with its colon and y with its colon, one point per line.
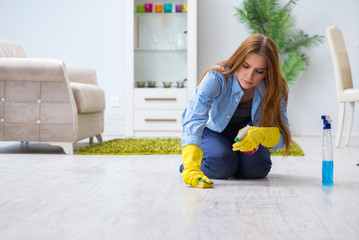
x: 327, y: 172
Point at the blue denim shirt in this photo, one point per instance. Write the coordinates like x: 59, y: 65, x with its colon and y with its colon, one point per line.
x: 213, y: 104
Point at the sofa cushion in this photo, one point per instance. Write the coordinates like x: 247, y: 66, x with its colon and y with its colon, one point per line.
x: 89, y: 98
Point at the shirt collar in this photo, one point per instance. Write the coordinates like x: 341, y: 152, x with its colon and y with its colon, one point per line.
x: 236, y: 87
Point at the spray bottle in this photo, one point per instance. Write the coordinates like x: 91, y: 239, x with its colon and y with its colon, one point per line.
x: 241, y: 135
x: 327, y: 152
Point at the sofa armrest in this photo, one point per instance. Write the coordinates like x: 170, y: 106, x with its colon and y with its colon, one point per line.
x: 89, y: 98
x: 82, y: 75
x: 37, y: 101
x: 31, y: 69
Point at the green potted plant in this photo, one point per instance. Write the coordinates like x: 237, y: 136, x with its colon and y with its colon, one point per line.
x: 268, y: 17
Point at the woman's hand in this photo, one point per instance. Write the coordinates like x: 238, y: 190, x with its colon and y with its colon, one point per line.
x: 192, y: 157
x: 266, y: 136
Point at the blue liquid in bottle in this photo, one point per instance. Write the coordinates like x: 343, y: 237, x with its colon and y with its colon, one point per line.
x: 327, y: 153
x: 327, y: 173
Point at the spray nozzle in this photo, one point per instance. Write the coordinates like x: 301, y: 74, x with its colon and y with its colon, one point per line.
x: 326, y: 122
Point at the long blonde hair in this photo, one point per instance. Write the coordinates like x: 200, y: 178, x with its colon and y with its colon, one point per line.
x: 277, y: 87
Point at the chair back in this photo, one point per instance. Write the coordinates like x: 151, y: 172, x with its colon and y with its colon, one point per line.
x: 9, y: 49
x: 340, y: 59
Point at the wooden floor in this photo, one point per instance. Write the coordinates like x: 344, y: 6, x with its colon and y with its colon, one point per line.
x: 45, y: 194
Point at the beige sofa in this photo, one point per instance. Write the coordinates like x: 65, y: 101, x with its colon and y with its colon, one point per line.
x: 41, y: 100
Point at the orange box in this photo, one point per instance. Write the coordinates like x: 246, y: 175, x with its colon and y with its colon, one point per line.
x: 158, y: 8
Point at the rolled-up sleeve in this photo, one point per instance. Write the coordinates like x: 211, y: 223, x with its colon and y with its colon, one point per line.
x: 195, y: 116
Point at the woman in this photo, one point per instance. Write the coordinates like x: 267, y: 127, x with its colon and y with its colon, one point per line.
x: 246, y: 89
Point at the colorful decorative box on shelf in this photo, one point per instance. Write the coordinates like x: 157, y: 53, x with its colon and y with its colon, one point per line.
x: 148, y: 7
x: 184, y: 7
x: 140, y: 8
x: 178, y: 8
x: 158, y: 8
x: 168, y: 7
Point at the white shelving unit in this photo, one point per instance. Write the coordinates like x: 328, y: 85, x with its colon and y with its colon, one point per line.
x: 159, y: 47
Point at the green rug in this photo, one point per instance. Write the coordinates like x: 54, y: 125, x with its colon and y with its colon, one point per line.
x: 133, y: 146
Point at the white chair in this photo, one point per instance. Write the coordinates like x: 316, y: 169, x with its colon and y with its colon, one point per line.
x: 343, y: 78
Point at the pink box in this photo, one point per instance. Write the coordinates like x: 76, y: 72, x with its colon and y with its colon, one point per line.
x: 148, y: 7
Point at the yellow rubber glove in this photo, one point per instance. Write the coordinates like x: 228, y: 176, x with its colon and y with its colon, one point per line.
x: 192, y: 157
x: 267, y: 136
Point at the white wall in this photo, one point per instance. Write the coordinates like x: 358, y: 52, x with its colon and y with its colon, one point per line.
x: 90, y: 33
x: 314, y: 94
x: 83, y: 33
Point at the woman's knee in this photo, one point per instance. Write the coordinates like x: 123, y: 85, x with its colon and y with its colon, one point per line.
x: 219, y: 161
x: 255, y: 173
x: 221, y: 165
x: 255, y: 166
